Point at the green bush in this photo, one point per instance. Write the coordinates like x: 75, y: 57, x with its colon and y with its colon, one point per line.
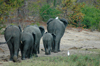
x: 47, y: 12
x: 92, y: 17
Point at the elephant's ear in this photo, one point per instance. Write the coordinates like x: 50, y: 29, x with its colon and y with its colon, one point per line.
x: 20, y: 28
x: 42, y: 29
x: 51, y: 19
x: 65, y: 22
x: 54, y: 36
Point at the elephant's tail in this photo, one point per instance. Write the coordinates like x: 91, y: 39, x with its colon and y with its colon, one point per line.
x: 6, y: 41
x: 34, y: 37
x: 34, y: 45
x: 42, y: 30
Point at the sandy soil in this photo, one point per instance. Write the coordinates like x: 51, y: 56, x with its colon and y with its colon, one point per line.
x: 74, y: 41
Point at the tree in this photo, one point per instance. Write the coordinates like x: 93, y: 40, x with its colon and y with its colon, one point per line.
x: 72, y: 12
x: 7, y: 6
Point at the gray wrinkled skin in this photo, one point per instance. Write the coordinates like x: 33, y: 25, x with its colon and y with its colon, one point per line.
x: 27, y: 45
x: 57, y: 27
x: 38, y: 31
x: 13, y: 32
x: 47, y: 42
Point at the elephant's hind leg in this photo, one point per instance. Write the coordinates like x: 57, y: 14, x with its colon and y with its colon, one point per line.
x: 56, y: 46
x: 53, y: 46
x: 25, y: 49
x: 38, y: 50
x: 16, y: 49
x: 38, y: 47
x: 10, y: 46
x: 59, y: 46
x: 30, y: 52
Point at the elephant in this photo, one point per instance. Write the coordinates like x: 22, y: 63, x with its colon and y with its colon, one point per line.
x: 48, y: 39
x: 12, y: 37
x: 38, y: 31
x: 27, y: 45
x: 57, y: 27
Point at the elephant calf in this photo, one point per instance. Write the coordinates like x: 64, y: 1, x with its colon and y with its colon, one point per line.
x: 27, y: 45
x: 48, y: 39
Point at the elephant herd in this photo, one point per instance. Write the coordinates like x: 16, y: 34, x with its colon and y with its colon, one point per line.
x: 28, y: 40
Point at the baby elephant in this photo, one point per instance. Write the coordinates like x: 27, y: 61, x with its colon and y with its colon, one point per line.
x: 27, y: 45
x: 48, y: 39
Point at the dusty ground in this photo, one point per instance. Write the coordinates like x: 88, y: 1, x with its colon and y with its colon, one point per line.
x: 73, y: 40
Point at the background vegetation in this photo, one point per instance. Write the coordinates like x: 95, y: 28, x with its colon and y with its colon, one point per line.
x: 79, y: 13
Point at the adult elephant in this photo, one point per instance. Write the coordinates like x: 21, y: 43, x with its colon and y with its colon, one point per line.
x: 57, y: 27
x: 12, y: 37
x: 38, y: 31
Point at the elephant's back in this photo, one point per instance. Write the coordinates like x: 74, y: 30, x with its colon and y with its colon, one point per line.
x: 56, y: 27
x: 32, y: 29
x: 28, y: 29
x: 26, y: 36
x: 12, y: 30
x: 35, y: 30
x: 47, y: 36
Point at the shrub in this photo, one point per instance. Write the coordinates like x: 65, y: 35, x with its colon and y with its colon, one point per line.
x: 7, y: 6
x: 92, y: 17
x: 71, y: 11
x: 47, y: 12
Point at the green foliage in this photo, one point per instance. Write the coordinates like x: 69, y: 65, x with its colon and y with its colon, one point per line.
x: 37, y: 23
x: 12, y: 24
x: 76, y: 17
x: 2, y: 28
x: 8, y: 5
x: 47, y: 12
x: 81, y: 15
x: 66, y: 4
x: 34, y: 7
x: 72, y: 12
x: 91, y: 18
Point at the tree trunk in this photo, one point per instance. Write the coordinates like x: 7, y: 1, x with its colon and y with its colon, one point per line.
x: 54, y: 3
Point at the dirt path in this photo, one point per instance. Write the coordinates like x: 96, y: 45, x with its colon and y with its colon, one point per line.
x: 74, y: 41
x: 77, y: 42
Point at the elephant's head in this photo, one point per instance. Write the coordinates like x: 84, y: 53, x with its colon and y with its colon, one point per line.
x: 42, y: 30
